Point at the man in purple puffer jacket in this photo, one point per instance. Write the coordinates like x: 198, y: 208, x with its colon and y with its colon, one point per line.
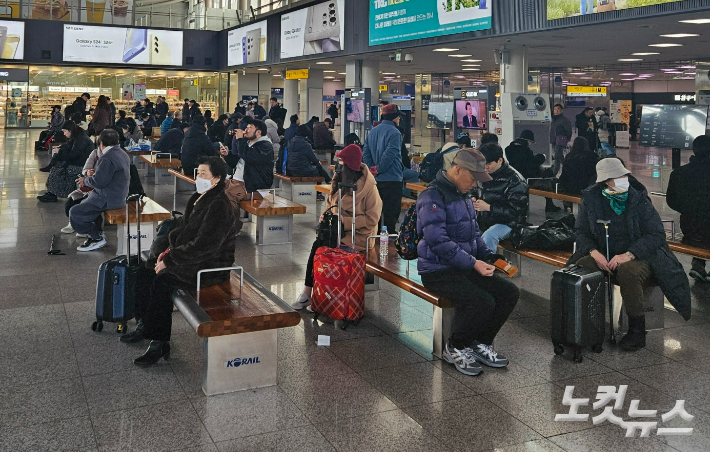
x: 452, y: 264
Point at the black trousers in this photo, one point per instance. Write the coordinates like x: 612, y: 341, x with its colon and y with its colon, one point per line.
x: 154, y: 303
x: 482, y: 304
x: 391, y: 195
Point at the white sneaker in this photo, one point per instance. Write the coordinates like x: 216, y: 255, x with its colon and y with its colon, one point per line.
x: 303, y: 301
x: 81, y: 236
x: 92, y: 244
x: 67, y: 229
x: 485, y: 354
x: 462, y: 359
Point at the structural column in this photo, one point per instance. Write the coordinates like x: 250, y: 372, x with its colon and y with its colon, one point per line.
x: 363, y: 74
x: 291, y: 99
x: 513, y: 70
x: 311, y: 90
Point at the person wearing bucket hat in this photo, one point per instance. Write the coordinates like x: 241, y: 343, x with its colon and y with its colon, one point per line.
x: 382, y: 154
x: 452, y: 262
x: 638, y: 251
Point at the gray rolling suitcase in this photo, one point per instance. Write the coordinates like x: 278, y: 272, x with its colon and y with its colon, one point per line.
x: 577, y: 310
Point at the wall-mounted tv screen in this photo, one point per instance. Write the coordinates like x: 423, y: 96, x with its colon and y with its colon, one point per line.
x: 672, y: 126
x: 471, y: 114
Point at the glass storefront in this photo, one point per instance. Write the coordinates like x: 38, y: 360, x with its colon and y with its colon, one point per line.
x: 29, y: 98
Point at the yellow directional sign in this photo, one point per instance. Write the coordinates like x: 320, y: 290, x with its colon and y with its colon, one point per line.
x: 297, y: 74
x: 383, y: 88
x: 586, y: 91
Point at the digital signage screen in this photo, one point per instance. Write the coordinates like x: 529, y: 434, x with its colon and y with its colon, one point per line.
x: 440, y: 115
x: 247, y: 44
x: 471, y: 114
x: 672, y: 126
x: 118, y: 45
x: 404, y: 21
x: 12, y: 39
x: 558, y: 9
x: 313, y: 30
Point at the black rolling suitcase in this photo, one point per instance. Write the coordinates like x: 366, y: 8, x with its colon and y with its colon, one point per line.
x: 577, y: 310
x: 116, y: 283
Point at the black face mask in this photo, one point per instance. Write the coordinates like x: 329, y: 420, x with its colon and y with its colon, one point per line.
x: 338, y: 168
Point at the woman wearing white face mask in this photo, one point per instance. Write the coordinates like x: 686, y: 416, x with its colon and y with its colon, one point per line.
x: 206, y: 238
x: 639, y: 254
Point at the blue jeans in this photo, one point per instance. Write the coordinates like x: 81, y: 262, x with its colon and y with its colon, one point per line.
x: 494, y: 235
x: 409, y: 176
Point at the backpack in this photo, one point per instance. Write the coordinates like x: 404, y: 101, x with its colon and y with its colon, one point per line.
x: 407, y: 237
x: 433, y: 163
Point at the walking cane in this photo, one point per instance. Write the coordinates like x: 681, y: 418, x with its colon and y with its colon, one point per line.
x: 609, y: 286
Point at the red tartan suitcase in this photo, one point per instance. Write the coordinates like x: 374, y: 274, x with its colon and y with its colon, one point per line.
x: 339, y: 278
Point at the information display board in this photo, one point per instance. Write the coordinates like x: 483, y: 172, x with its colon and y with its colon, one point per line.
x: 672, y: 126
x: 392, y: 21
x: 313, y: 30
x: 440, y: 115
x: 247, y: 44
x: 558, y: 9
x: 586, y: 91
x: 12, y: 39
x: 118, y: 45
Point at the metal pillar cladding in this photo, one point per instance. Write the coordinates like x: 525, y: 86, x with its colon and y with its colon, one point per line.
x: 291, y: 100
x: 239, y: 361
x: 443, y: 321
x: 513, y: 63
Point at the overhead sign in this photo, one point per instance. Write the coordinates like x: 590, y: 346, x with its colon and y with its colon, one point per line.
x: 586, y: 91
x: 395, y: 21
x: 313, y: 30
x: 559, y: 9
x: 297, y: 74
x: 247, y: 44
x: 383, y: 88
x: 118, y: 45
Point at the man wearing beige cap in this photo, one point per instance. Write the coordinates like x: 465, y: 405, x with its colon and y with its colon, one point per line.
x: 453, y: 263
x: 638, y: 255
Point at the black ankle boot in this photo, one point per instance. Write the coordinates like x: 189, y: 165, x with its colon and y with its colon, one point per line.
x: 47, y: 168
x: 156, y: 350
x: 636, y: 336
x: 135, y: 336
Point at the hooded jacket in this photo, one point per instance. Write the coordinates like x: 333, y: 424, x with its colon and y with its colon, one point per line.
x: 75, y: 152
x: 166, y: 125
x: 448, y: 230
x: 579, y: 171
x: 57, y: 122
x: 368, y: 206
x: 507, y: 194
x: 322, y: 138
x: 111, y: 180
x: 195, y: 145
x: 647, y: 237
x: 205, y: 239
x: 560, y: 122
x: 258, y: 162
x: 290, y: 132
x: 273, y: 134
x: 171, y: 142
x: 301, y: 160
x: 689, y: 193
x: 521, y: 157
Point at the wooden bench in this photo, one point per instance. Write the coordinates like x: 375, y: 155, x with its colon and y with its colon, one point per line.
x: 298, y: 189
x: 151, y: 213
x: 700, y: 253
x: 135, y: 159
x: 183, y: 183
x: 160, y: 167
x: 238, y: 321
x: 274, y: 222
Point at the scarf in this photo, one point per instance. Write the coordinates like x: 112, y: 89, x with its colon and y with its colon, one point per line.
x: 617, y: 200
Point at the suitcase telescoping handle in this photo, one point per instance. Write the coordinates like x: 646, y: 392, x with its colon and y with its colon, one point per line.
x: 137, y: 198
x: 340, y: 217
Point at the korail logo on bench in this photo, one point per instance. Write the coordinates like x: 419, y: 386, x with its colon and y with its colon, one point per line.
x: 236, y: 362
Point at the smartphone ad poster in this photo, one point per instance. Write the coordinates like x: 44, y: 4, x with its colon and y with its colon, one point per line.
x: 117, y: 45
x: 12, y: 39
x: 558, y: 9
x: 395, y: 22
x: 313, y: 30
x: 247, y: 44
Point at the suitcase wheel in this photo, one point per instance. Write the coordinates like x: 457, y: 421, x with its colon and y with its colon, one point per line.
x: 315, y: 316
x: 97, y: 326
x: 559, y: 349
x: 345, y: 324
x: 578, y: 358
x: 597, y: 348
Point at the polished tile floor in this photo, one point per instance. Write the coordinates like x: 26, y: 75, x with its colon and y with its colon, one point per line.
x: 376, y: 388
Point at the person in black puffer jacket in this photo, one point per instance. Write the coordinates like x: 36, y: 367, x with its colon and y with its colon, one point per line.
x: 171, y: 141
x: 503, y: 204
x: 301, y: 160
x: 196, y: 145
x: 579, y: 169
x: 254, y: 155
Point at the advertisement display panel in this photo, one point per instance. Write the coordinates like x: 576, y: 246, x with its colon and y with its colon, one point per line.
x: 313, y: 30
x: 12, y: 39
x: 558, y: 9
x: 117, y: 45
x: 404, y: 21
x: 247, y: 44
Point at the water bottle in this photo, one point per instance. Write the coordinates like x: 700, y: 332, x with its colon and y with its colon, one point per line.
x: 384, y: 242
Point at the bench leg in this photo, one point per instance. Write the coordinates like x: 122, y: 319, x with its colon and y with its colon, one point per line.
x: 162, y: 177
x: 286, y: 190
x: 147, y: 236
x: 239, y: 361
x: 275, y: 234
x: 443, y: 321
x: 374, y: 286
x: 653, y: 305
x: 304, y: 193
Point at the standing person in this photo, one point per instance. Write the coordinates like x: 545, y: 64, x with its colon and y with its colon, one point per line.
x: 560, y: 134
x: 522, y: 158
x: 276, y: 111
x: 333, y: 112
x: 255, y: 154
x: 689, y: 193
x: 138, y: 110
x: 79, y: 105
x: 113, y: 110
x: 452, y: 264
x: 196, y: 145
x: 259, y: 111
x: 603, y: 120
x: 67, y: 163
x: 194, y: 110
x: 503, y: 204
x: 586, y: 124
x: 101, y: 116
x: 637, y: 246
x: 149, y: 106
x: 579, y: 170
x: 348, y: 170
x: 161, y: 111
x: 240, y: 108
x: 291, y: 131
x: 218, y: 129
x: 205, y: 239
x: 110, y: 183
x: 186, y: 111
x: 208, y: 119
x: 382, y: 154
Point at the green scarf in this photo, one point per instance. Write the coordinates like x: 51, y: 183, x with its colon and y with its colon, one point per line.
x: 617, y: 200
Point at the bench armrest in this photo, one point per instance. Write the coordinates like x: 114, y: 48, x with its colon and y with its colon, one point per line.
x: 557, y: 184
x: 209, y: 270
x: 672, y: 222
x: 156, y: 154
x: 272, y: 190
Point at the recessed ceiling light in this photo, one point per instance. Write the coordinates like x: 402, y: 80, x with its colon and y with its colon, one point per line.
x: 277, y: 75
x: 342, y: 73
x: 470, y: 61
x: 665, y: 44
x: 628, y: 79
x: 460, y: 55
x: 470, y: 69
x: 673, y: 72
x: 630, y: 59
x: 645, y: 53
x: 695, y: 21
x: 327, y: 71
x: 324, y: 62
x: 687, y: 66
x: 627, y: 73
x: 577, y: 73
x: 329, y: 77
x: 470, y: 65
x: 262, y: 69
x: 680, y: 35
x: 389, y: 73
x: 445, y: 49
